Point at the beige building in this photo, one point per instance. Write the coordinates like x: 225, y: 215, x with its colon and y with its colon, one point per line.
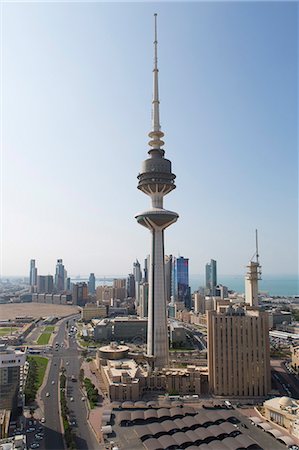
x: 285, y: 412
x: 119, y: 283
x: 4, y: 422
x: 295, y: 358
x: 91, y: 311
x: 199, y: 303
x: 106, y: 294
x: 238, y: 352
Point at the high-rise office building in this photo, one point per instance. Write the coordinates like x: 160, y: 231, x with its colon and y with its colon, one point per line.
x: 33, y: 273
x: 92, y: 284
x: 181, y: 281
x: 146, y: 269
x: 156, y: 180
x: 60, y: 276
x: 80, y: 294
x: 131, y: 286
x: 143, y: 300
x: 138, y: 277
x: 119, y: 283
x: 211, y: 277
x: 11, y: 364
x: 238, y: 352
x: 45, y: 284
x: 168, y: 277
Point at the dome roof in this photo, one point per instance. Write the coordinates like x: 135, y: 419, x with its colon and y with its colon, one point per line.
x: 285, y: 401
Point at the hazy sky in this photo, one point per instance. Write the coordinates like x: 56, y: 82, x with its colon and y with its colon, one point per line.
x: 77, y: 86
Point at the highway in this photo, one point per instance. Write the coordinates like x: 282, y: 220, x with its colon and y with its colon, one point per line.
x: 53, y: 439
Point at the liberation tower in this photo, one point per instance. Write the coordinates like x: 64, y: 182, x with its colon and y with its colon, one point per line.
x: 156, y: 180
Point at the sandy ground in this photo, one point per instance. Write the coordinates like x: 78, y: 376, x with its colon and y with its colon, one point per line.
x: 36, y: 310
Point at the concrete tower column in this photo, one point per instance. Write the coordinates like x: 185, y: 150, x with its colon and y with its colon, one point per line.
x: 156, y: 180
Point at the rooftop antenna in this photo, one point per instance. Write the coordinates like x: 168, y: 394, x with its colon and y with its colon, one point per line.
x: 256, y: 247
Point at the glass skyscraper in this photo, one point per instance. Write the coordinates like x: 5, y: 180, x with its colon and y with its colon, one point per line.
x: 211, y: 277
x: 181, y: 289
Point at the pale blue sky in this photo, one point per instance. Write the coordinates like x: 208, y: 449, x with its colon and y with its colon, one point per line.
x: 77, y: 82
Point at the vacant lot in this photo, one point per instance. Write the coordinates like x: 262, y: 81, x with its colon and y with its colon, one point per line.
x: 5, y: 331
x: 44, y: 338
x: 35, y: 310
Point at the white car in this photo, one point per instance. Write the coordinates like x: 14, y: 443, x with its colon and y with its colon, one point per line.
x: 72, y: 399
x: 43, y: 420
x: 52, y: 382
x: 47, y: 394
x: 83, y: 399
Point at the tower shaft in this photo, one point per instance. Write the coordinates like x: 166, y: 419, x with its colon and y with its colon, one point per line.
x: 156, y: 180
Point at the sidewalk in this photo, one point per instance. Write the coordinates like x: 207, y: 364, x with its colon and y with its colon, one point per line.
x: 95, y: 415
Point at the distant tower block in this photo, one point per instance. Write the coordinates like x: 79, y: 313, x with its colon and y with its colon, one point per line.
x: 252, y: 277
x: 156, y: 180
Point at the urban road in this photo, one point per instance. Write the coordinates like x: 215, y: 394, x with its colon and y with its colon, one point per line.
x: 68, y: 356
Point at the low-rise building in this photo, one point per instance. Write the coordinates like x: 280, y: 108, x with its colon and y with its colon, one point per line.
x: 92, y: 311
x: 285, y: 412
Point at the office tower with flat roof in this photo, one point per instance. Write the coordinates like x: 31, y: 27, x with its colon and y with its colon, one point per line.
x: 92, y: 284
x: 252, y: 277
x: 156, y: 180
x: 119, y: 283
x: 182, y: 281
x: 168, y: 277
x: 211, y: 277
x: 238, y: 352
x: 11, y: 365
x: 146, y: 269
x: 143, y: 307
x: 45, y: 284
x: 80, y: 294
x: 138, y: 277
x: 33, y: 273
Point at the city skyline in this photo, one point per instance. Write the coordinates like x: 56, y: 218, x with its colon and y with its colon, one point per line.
x: 74, y: 129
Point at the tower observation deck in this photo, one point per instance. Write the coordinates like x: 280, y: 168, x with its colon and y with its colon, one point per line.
x: 156, y: 180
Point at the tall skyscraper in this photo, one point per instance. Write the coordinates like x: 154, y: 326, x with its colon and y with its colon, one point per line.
x: 92, y: 284
x: 252, y: 277
x: 60, y: 276
x: 181, y: 281
x: 211, y: 277
x: 138, y: 277
x: 131, y: 286
x: 156, y: 180
x: 45, y: 284
x: 80, y: 294
x: 238, y: 352
x: 146, y: 269
x: 33, y: 273
x: 168, y: 277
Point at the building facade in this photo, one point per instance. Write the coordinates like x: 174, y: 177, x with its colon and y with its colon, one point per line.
x: 32, y: 273
x: 211, y: 277
x: 11, y: 365
x: 239, y: 353
x: 92, y: 284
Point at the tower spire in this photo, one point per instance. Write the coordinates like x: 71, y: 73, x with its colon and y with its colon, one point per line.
x: 156, y: 133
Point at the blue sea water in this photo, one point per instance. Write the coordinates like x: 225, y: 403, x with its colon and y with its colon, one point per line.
x: 277, y: 285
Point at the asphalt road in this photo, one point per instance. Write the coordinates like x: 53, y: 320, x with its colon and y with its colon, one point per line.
x: 53, y: 439
x: 286, y: 383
